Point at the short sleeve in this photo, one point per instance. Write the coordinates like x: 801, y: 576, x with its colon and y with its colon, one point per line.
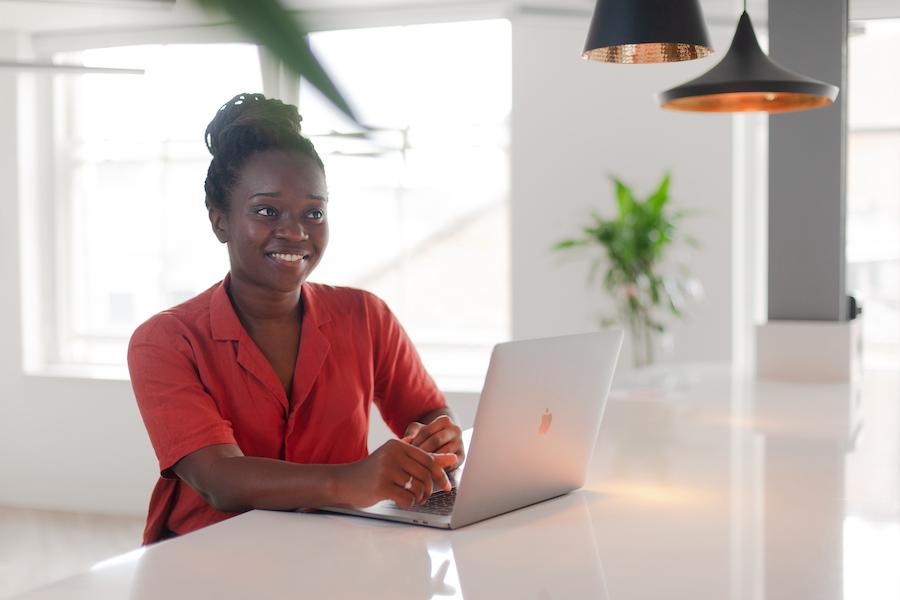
x: 404, y: 390
x: 179, y: 414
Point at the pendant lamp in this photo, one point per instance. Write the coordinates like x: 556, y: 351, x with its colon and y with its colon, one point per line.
x: 747, y: 80
x: 647, y: 31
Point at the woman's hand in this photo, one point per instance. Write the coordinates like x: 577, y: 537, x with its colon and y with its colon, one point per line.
x: 441, y: 436
x: 396, y: 471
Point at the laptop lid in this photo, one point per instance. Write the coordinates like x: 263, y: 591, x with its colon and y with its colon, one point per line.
x: 537, y: 422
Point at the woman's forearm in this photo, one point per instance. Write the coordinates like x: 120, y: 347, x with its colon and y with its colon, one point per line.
x: 234, y: 484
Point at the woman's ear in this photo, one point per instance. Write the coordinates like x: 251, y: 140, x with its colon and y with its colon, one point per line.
x: 219, y: 222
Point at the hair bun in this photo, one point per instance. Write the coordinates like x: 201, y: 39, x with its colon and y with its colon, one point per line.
x: 246, y: 124
x: 251, y: 115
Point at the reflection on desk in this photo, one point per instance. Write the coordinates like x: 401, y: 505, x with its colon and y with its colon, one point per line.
x: 543, y: 551
x: 701, y: 486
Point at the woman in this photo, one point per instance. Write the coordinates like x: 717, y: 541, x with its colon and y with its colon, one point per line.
x: 256, y: 393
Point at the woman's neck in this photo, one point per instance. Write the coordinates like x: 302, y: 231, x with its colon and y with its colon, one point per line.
x: 255, y: 304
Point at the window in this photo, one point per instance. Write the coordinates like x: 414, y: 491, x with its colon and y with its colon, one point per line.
x: 421, y: 217
x: 419, y: 213
x: 130, y: 161
x: 873, y: 187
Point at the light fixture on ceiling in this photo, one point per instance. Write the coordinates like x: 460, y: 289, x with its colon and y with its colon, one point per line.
x: 53, y: 68
x: 746, y: 80
x: 647, y: 31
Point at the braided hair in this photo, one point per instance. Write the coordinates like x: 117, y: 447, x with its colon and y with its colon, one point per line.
x: 243, y: 126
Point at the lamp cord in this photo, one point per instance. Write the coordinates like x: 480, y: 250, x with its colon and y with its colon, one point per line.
x: 745, y: 5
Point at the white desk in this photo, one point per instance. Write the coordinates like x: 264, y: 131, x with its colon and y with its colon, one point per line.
x: 704, y: 488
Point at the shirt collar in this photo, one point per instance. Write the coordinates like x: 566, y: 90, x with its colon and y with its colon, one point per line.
x: 224, y: 321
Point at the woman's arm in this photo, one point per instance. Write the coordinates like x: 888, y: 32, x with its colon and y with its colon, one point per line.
x: 232, y: 482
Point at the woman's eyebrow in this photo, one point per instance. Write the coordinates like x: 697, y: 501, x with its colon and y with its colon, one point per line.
x: 266, y: 194
x: 318, y: 197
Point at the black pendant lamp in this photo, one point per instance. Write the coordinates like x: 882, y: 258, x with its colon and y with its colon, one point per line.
x: 647, y: 31
x: 747, y: 80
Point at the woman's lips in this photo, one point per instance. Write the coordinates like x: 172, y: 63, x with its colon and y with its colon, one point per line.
x: 288, y: 259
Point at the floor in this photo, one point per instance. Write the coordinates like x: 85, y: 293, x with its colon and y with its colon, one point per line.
x: 38, y: 547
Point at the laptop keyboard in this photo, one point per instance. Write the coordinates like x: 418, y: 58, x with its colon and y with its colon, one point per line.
x: 439, y: 503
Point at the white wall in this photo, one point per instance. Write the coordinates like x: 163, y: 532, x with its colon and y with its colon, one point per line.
x: 64, y: 443
x: 576, y: 122
x: 79, y: 444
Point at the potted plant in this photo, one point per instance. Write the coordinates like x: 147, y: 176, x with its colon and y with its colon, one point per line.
x: 633, y: 247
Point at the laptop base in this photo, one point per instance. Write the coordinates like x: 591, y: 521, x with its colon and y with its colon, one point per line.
x: 383, y: 512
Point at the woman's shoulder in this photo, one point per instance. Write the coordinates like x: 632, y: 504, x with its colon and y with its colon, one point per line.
x: 340, y: 302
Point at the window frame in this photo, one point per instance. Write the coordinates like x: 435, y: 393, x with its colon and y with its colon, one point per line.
x: 42, y: 256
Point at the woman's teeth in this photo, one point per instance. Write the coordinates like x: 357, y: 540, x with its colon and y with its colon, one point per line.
x: 289, y: 257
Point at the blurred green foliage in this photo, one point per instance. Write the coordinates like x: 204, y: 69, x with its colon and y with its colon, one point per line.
x: 283, y: 33
x: 634, y: 244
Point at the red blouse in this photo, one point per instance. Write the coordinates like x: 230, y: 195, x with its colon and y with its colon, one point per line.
x: 200, y: 380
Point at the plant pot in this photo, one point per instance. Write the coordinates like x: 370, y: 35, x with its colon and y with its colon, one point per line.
x: 648, y: 344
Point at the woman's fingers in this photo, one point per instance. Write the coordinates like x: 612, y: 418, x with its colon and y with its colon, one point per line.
x: 423, y: 433
x: 454, y: 447
x: 408, y: 474
x: 408, y: 491
x: 433, y: 463
x: 446, y: 461
x: 422, y: 481
x: 411, y: 431
x: 439, y: 438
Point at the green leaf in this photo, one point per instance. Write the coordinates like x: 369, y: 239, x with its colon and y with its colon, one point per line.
x: 563, y: 244
x: 267, y: 22
x: 659, y: 198
x: 625, y: 199
x: 654, y: 289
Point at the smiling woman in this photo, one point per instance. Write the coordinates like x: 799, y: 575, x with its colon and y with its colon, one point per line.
x: 257, y: 392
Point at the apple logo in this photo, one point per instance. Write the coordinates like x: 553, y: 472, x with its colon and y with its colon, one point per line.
x: 546, y: 418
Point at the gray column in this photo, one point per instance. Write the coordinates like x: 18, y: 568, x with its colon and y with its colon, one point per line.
x: 807, y: 150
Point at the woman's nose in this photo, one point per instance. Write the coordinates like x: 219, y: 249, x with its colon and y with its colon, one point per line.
x: 292, y: 229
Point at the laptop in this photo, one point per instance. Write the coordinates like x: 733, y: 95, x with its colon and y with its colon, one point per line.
x: 533, y: 435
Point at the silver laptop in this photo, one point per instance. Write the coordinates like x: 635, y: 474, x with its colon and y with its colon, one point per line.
x: 534, y: 431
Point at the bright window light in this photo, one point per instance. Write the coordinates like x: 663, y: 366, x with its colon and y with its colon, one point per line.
x: 134, y: 236
x: 421, y: 218
x: 419, y: 214
x: 873, y: 187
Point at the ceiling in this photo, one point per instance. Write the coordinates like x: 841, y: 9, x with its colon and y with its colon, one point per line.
x: 58, y: 15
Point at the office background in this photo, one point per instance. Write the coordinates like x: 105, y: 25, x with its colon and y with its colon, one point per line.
x: 70, y: 433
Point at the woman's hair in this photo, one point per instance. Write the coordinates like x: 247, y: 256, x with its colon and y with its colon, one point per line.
x: 245, y: 125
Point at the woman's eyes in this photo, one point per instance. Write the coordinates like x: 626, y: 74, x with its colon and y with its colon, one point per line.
x: 267, y: 211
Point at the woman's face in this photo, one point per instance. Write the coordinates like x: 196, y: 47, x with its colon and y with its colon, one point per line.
x: 276, y: 227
